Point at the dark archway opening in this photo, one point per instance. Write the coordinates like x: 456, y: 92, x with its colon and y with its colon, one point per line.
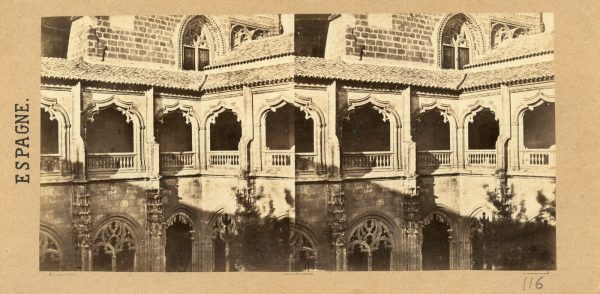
x: 174, y: 134
x: 125, y: 259
x: 381, y: 257
x: 49, y: 133
x: 365, y: 130
x: 476, y: 250
x: 538, y: 127
x: 109, y: 133
x: 432, y: 132
x: 178, y: 249
x: 219, y: 255
x: 102, y: 260
x: 304, y: 138
x: 225, y: 132
x: 436, y: 246
x: 483, y: 131
x: 358, y: 259
x: 280, y: 128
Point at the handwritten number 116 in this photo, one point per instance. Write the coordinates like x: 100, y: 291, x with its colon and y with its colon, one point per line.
x: 538, y: 284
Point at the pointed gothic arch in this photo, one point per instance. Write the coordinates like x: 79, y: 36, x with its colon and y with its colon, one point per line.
x: 304, y: 253
x: 475, y: 37
x: 214, y: 36
x: 181, y: 243
x: 373, y: 120
x: 51, y: 250
x: 221, y: 134
x: 311, y: 161
x: 59, y: 162
x: 129, y: 161
x: 371, y: 244
x: 178, y: 158
x: 438, y: 247
x: 540, y: 154
x: 218, y: 235
x: 115, y: 244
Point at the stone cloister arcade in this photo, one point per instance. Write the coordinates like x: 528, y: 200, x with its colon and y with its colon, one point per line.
x: 275, y: 134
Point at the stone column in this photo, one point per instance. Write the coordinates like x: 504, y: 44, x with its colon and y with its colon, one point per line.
x: 333, y: 144
x: 155, y: 230
x: 410, y: 248
x: 82, y: 225
x: 247, y: 131
x: 337, y: 224
x: 460, y: 145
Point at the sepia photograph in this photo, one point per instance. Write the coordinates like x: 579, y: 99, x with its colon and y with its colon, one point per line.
x: 298, y: 143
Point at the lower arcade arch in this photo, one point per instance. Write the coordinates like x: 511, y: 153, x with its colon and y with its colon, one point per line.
x: 114, y: 247
x: 435, y: 249
x: 303, y: 253
x: 179, y: 243
x: 370, y: 246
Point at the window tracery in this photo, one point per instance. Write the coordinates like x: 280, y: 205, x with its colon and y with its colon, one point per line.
x: 195, y: 46
x: 456, y: 43
x: 506, y: 31
x: 373, y: 239
x: 115, y: 240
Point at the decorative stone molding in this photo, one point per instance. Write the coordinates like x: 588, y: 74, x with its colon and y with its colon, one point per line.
x: 187, y: 110
x: 385, y: 108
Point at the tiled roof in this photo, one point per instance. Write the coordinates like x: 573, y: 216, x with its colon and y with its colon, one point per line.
x: 310, y: 67
x: 110, y: 73
x: 303, y: 67
x: 511, y: 75
x: 253, y: 76
x: 255, y: 50
x: 534, y: 45
x: 171, y: 79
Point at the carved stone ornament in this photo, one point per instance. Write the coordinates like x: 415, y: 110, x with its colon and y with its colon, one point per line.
x: 370, y: 235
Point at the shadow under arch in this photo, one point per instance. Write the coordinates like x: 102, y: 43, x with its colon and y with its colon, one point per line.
x: 181, y: 242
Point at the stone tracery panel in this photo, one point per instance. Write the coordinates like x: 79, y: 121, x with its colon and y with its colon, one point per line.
x: 372, y: 238
x: 115, y: 240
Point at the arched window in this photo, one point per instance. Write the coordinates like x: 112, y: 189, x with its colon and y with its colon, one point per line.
x: 239, y: 35
x: 456, y: 43
x: 195, y: 49
x: 370, y: 247
x: 500, y: 33
x: 114, y: 248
